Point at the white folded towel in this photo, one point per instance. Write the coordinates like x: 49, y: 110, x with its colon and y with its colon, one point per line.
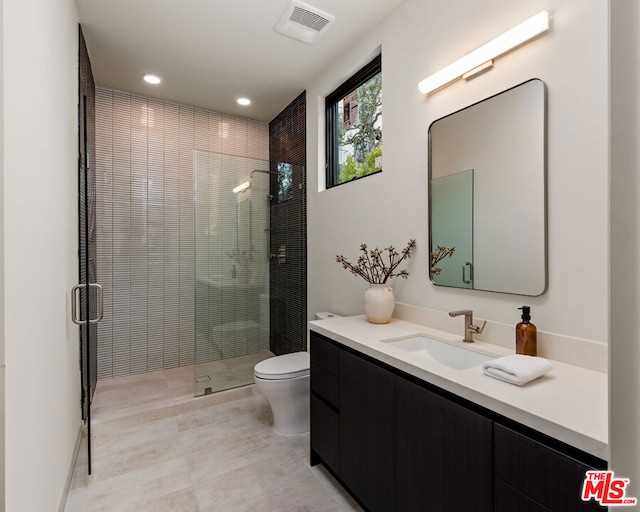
x: 517, y: 369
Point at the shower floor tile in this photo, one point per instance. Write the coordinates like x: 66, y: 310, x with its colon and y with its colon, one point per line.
x: 227, y: 373
x: 157, y: 448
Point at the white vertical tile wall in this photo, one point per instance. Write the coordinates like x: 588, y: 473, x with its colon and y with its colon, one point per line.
x: 121, y: 284
x: 171, y: 247
x: 187, y: 238
x: 145, y: 223
x: 104, y: 212
x: 155, y: 235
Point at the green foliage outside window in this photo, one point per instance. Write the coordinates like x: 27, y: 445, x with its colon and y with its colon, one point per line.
x: 351, y: 169
x: 354, y: 126
x: 363, y: 141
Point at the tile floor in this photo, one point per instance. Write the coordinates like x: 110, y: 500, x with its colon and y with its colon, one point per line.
x: 157, y: 448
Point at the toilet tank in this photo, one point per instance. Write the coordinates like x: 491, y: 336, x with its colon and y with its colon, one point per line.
x: 323, y: 315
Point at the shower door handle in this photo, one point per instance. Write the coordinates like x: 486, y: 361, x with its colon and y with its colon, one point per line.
x: 464, y: 273
x: 74, y: 304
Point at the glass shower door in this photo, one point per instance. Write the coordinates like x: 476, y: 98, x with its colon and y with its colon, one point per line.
x: 86, y: 297
x: 232, y: 269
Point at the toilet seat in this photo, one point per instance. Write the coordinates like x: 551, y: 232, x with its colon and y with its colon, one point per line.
x: 288, y: 366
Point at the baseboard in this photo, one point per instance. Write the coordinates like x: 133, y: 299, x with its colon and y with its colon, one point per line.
x: 71, y: 470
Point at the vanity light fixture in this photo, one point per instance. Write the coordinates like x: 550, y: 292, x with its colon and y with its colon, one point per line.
x: 152, y: 79
x: 481, y: 59
x: 242, y: 187
x: 479, y: 70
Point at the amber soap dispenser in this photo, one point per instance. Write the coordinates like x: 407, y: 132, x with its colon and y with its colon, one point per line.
x: 526, y: 334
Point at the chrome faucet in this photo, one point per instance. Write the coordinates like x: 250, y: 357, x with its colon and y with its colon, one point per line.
x: 469, y: 328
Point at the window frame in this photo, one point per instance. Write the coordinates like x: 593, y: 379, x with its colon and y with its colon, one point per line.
x: 332, y: 165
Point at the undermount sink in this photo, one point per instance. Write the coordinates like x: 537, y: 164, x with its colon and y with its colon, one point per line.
x: 443, y: 352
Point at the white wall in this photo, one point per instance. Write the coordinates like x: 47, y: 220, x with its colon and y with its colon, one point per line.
x: 42, y: 399
x: 391, y: 207
x: 2, y: 415
x: 624, y: 349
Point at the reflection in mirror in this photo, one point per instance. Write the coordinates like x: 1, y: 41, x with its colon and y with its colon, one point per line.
x: 452, y: 218
x: 487, y: 193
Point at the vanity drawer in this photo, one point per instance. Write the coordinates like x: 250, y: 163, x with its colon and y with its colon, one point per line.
x: 325, y: 370
x: 544, y: 474
x: 507, y: 499
x: 325, y: 434
x: 325, y: 354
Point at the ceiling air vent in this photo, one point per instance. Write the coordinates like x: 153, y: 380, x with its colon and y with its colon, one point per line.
x: 303, y: 22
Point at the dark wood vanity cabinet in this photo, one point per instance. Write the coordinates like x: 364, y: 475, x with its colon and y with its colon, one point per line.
x: 397, y: 443
x: 530, y: 475
x: 353, y: 422
x: 444, y: 457
x: 367, y: 432
x: 325, y: 402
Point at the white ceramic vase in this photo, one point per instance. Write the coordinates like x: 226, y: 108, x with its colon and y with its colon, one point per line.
x: 379, y: 302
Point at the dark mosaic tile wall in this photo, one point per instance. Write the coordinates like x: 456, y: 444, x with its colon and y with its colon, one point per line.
x: 145, y: 230
x: 288, y: 280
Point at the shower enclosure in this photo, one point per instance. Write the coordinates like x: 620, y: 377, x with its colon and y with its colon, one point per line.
x: 232, y: 269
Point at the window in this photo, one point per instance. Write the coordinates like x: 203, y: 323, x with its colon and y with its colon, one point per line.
x: 354, y: 126
x: 285, y: 182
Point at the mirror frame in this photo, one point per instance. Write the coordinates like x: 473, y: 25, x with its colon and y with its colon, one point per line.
x: 544, y: 171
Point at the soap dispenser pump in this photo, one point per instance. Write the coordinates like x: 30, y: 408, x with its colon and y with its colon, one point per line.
x: 526, y: 334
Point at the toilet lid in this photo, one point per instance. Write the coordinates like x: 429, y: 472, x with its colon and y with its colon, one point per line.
x: 286, y: 366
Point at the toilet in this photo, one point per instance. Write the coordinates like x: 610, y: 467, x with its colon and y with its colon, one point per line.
x: 284, y: 381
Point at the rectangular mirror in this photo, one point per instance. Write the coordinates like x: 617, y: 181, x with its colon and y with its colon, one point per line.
x: 487, y: 194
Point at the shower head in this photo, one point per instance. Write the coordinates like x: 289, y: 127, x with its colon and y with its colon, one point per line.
x: 242, y: 187
x: 263, y: 171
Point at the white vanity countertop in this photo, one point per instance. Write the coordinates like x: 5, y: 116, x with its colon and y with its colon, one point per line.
x: 569, y: 403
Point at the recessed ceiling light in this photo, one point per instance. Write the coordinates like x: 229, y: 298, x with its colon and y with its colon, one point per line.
x: 244, y: 101
x: 152, y: 79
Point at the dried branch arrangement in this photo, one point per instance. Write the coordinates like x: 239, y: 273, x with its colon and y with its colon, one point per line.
x: 377, y: 266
